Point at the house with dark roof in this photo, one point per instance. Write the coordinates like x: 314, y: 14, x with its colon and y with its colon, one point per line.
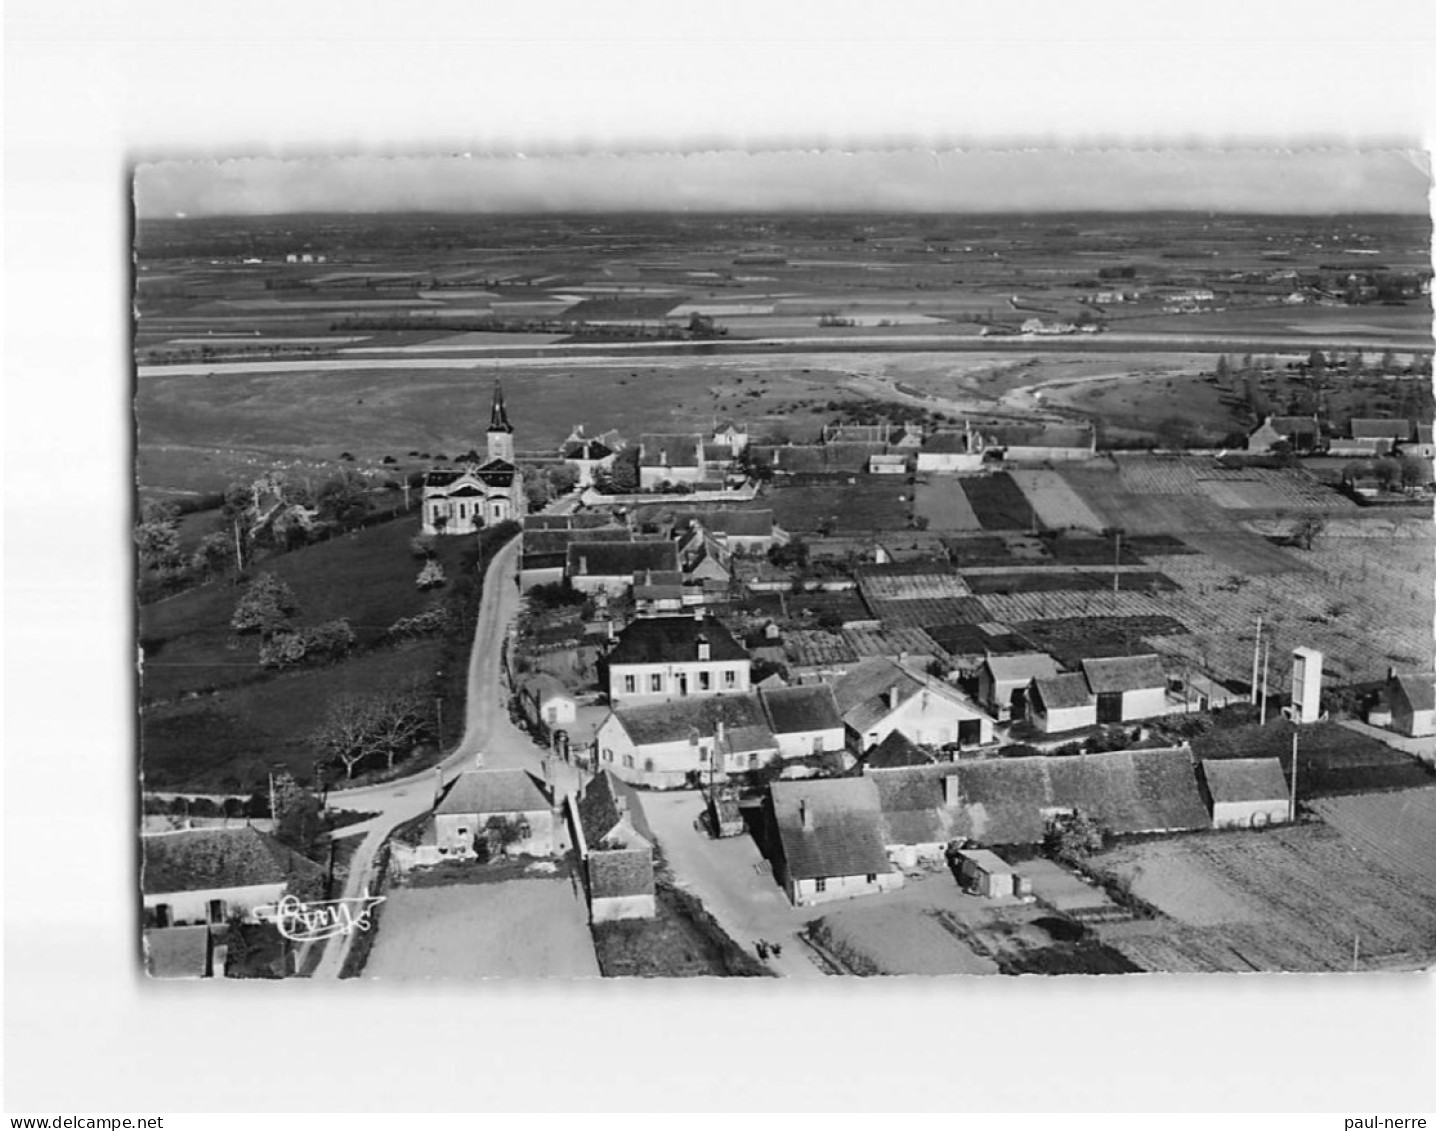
x: 951, y: 451
x: 1382, y: 435
x: 666, y: 460
x: 1062, y: 702
x: 546, y: 539
x: 675, y: 656
x: 659, y: 593
x: 608, y: 567
x: 544, y: 699
x: 734, y: 529
x: 1127, y: 687
x: 877, y: 696
x: 829, y: 840
x: 209, y: 876
x: 483, y: 492
x: 1004, y: 681
x: 804, y: 719
x: 1246, y: 793
x: 487, y: 804
x: 680, y: 742
x: 588, y: 455
x: 615, y: 843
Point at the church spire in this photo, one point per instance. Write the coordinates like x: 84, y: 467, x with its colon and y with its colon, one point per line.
x: 499, y: 417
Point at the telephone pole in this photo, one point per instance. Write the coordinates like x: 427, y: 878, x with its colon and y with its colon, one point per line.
x: 1291, y: 811
x: 1256, y: 661
x: 1265, y: 681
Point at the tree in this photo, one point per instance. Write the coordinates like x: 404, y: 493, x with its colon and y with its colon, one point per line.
x: 265, y: 608
x: 1415, y: 472
x: 298, y: 815
x: 158, y: 544
x: 505, y: 832
x: 1224, y: 370
x: 1387, y: 472
x: 211, y: 556
x: 1072, y: 837
x: 422, y: 546
x: 344, y: 499
x: 360, y: 728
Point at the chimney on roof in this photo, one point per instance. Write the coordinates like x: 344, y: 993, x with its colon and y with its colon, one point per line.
x: 698, y: 612
x: 951, y: 793
x: 805, y: 815
x: 893, y: 698
x: 720, y: 732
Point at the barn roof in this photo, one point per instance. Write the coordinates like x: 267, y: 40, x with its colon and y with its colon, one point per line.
x: 620, y: 559
x: 615, y: 874
x: 1068, y: 689
x: 669, y: 451
x: 586, y: 450
x: 215, y: 859
x: 543, y: 687
x: 1418, y: 690
x: 664, y: 640
x: 862, y: 692
x: 946, y: 443
x: 847, y: 837
x: 1373, y: 429
x: 177, y: 952
x: 806, y: 707
x: 911, y: 799
x: 1021, y: 666
x: 1124, y: 673
x: 1040, y: 436
x: 494, y: 791
x: 1244, y: 779
x: 896, y: 751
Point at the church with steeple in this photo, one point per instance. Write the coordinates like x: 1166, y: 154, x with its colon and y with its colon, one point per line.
x: 478, y: 491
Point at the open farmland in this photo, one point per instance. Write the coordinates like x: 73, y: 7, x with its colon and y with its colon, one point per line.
x: 1397, y: 829
x: 943, y: 503
x: 1331, y: 759
x: 998, y: 502
x: 859, y: 503
x: 1286, y: 899
x: 1058, y: 507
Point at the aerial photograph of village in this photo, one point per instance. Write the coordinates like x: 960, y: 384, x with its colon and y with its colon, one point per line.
x: 795, y: 593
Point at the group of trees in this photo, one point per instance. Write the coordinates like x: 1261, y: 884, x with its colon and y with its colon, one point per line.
x: 367, y: 730
x: 621, y: 477
x: 267, y: 608
x: 544, y: 485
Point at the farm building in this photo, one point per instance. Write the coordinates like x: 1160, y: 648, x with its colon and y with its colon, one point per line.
x: 829, y: 840
x: 1299, y: 433
x: 681, y: 459
x: 195, y: 877
x: 1422, y: 444
x: 1004, y: 682
x: 748, y: 530
x: 725, y: 816
x: 730, y: 439
x: 986, y: 873
x: 894, y: 463
x: 1042, y: 443
x: 658, y: 593
x: 877, y: 696
x: 804, y: 719
x: 1062, y: 702
x: 545, y: 700
x: 662, y: 657
x: 1246, y: 792
x: 1008, y: 800
x: 546, y: 539
x: 588, y: 455
x: 1383, y: 435
x: 615, y: 843
x: 1127, y: 687
x: 608, y: 567
x: 483, y: 494
x: 1410, y: 701
x: 480, y: 801
x: 666, y: 745
x: 951, y: 451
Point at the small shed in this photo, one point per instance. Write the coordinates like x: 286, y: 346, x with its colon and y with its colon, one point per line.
x: 1246, y: 792
x: 986, y: 873
x: 724, y: 816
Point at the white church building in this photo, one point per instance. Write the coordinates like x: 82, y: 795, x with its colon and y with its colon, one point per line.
x: 474, y: 495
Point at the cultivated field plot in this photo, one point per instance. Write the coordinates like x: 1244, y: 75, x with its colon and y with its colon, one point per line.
x: 891, y: 642
x: 862, y: 504
x: 1332, y: 759
x: 528, y: 928
x: 942, y: 502
x: 1016, y: 607
x: 1074, y: 639
x: 1230, y: 488
x: 813, y: 648
x: 1068, y: 581
x: 994, y: 551
x: 912, y: 586
x: 920, y: 614
x: 897, y: 939
x: 1058, y: 506
x: 1287, y: 899
x: 998, y: 503
x: 1397, y: 830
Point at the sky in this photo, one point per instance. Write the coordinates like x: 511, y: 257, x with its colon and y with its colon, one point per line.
x: 983, y: 179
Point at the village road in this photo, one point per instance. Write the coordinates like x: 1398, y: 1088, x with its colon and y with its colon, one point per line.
x: 732, y: 879
x: 487, y: 732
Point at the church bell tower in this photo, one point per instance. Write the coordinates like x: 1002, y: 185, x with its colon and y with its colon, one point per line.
x: 501, y: 432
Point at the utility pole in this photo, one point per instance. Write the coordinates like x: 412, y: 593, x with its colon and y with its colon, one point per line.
x: 1265, y: 681
x: 1117, y: 563
x: 1291, y: 813
x: 1256, y: 661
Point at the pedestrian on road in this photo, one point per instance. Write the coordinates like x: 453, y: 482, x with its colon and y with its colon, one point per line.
x: 777, y: 950
x: 763, y: 950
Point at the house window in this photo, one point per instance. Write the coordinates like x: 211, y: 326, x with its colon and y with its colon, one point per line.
x: 817, y: 744
x: 705, y: 681
x: 607, y: 754
x: 461, y: 833
x: 628, y: 761
x: 630, y: 684
x: 463, y: 510
x: 872, y: 877
x: 730, y: 678
x: 820, y: 884
x: 162, y: 914
x: 216, y: 911
x: 648, y: 765
x: 553, y: 714
x: 655, y: 683
x: 703, y: 753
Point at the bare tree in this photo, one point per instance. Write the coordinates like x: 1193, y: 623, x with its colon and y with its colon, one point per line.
x: 360, y: 728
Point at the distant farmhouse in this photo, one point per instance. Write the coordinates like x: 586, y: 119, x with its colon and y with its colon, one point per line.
x: 480, y: 494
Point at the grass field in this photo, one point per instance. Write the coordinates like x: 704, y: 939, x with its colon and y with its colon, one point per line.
x: 1058, y: 507
x: 942, y: 501
x: 865, y: 503
x: 1287, y: 899
x: 681, y: 941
